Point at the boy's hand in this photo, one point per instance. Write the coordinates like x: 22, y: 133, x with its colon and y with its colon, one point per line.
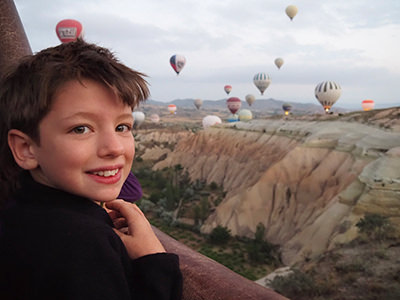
x: 139, y: 239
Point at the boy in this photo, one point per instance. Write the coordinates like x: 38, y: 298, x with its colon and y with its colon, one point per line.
x: 66, y: 144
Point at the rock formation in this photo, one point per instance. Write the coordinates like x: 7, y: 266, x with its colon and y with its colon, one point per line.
x: 308, y: 182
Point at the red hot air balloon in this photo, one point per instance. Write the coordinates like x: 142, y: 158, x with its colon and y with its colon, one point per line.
x: 69, y: 30
x: 234, y: 104
x: 228, y: 89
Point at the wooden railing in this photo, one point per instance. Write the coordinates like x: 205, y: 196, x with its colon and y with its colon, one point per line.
x: 203, y: 278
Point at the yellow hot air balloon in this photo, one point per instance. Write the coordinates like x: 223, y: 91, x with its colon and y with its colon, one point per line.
x: 245, y: 115
x: 279, y: 62
x: 250, y: 99
x: 291, y: 11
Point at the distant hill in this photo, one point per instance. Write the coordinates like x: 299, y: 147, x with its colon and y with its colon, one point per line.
x: 260, y: 107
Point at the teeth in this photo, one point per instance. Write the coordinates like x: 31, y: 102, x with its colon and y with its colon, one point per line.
x: 107, y: 173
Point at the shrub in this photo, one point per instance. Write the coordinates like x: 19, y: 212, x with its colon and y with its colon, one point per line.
x: 213, y: 186
x: 220, y: 235
x: 375, y: 227
x: 154, y: 197
x: 297, y: 285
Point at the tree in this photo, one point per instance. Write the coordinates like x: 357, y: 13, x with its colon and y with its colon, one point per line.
x: 220, y: 235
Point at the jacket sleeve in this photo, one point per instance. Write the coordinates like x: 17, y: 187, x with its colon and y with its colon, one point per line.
x: 157, y: 276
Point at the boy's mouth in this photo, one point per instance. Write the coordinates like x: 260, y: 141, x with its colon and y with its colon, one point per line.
x: 106, y: 173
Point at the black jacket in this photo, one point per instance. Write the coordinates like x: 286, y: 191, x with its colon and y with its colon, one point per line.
x: 55, y: 245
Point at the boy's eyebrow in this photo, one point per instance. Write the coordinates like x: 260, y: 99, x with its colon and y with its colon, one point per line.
x: 94, y: 115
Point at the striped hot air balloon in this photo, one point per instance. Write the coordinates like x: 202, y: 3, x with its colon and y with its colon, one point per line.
x: 327, y: 93
x: 261, y: 81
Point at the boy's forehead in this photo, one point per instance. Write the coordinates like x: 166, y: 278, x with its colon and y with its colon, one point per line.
x: 85, y: 84
x: 84, y: 90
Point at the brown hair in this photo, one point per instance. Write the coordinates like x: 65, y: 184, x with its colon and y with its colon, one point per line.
x: 28, y: 89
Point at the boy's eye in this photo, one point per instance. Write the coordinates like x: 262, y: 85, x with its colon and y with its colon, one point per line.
x: 80, y: 129
x: 123, y: 128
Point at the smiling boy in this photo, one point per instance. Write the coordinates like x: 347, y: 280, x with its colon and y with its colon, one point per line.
x: 66, y: 144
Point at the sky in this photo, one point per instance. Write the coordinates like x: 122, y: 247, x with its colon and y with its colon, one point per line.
x: 353, y: 43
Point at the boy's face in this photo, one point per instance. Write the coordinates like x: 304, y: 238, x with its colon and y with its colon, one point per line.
x: 86, y: 146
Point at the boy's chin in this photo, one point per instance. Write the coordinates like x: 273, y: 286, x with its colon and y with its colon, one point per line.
x: 105, y: 199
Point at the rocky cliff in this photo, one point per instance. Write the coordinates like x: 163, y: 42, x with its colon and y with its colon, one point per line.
x: 307, y: 181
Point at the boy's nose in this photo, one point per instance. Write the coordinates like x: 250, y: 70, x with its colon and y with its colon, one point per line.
x: 110, y: 145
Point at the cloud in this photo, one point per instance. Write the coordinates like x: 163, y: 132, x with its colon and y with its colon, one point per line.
x: 355, y: 43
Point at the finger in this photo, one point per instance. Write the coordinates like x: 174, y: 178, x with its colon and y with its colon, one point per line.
x: 120, y: 222
x: 114, y: 214
x: 128, y: 210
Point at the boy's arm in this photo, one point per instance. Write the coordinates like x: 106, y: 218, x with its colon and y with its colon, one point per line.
x: 156, y: 274
x: 140, y: 240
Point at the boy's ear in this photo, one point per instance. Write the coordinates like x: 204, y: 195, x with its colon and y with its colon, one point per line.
x: 21, y: 146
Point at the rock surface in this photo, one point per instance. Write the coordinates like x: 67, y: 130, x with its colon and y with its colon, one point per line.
x: 308, y: 182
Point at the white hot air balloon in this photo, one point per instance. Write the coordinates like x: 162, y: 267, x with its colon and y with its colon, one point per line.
x: 291, y: 11
x: 262, y: 81
x: 154, y: 118
x: 327, y: 93
x: 211, y: 120
x: 279, y: 62
x: 138, y: 118
x: 198, y: 103
x: 250, y: 99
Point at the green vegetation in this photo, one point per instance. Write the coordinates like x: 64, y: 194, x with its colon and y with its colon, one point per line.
x: 375, y: 227
x: 170, y: 195
x: 362, y: 269
x: 366, y: 268
x: 261, y: 251
x: 220, y: 235
x: 299, y: 285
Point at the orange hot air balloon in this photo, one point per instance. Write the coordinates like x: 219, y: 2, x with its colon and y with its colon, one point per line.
x: 172, y: 109
x: 368, y: 105
x: 234, y: 104
x: 69, y: 30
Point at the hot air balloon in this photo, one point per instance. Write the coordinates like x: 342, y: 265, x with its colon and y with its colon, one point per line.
x: 211, y: 120
x: 177, y: 62
x: 172, y: 109
x: 279, y: 62
x: 232, y: 118
x: 367, y: 105
x: 234, y: 104
x: 286, y: 108
x: 228, y: 89
x: 198, y: 103
x: 261, y: 81
x: 245, y: 115
x: 154, y: 118
x: 69, y: 30
x: 250, y: 99
x: 291, y: 11
x: 327, y: 93
x: 138, y: 118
